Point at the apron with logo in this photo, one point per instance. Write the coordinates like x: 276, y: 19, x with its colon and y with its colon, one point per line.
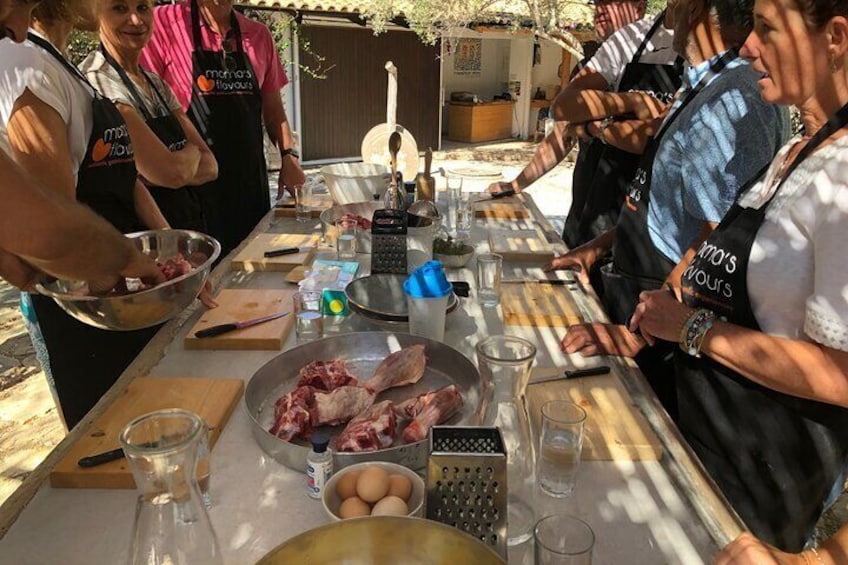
x: 602, y: 174
x: 637, y: 265
x: 86, y: 361
x: 776, y: 457
x: 181, y: 206
x: 226, y: 108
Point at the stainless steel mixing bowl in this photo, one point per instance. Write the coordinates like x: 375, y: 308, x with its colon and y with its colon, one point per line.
x: 146, y: 308
x: 383, y: 540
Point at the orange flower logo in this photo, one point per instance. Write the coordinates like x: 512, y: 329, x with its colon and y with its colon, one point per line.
x: 205, y: 84
x: 100, y: 150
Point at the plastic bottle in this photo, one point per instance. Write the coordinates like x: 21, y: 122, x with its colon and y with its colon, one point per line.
x: 319, y: 466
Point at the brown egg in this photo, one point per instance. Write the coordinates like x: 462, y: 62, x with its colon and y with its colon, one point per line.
x: 346, y: 487
x: 372, y: 484
x: 353, y: 507
x: 390, y: 506
x: 400, y: 486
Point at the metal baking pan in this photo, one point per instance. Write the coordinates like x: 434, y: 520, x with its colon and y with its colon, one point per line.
x: 363, y: 352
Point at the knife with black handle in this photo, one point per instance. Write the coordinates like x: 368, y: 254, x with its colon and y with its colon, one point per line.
x: 224, y: 328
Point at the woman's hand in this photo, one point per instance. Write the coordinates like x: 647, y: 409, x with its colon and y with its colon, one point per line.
x: 748, y: 550
x: 601, y: 339
x: 291, y: 175
x: 502, y: 186
x: 580, y: 259
x: 659, y: 315
x: 205, y: 296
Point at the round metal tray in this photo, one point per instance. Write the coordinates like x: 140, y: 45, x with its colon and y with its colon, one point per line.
x: 363, y: 352
x: 381, y: 297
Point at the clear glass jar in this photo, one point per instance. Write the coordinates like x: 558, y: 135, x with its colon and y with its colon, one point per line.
x: 505, y: 361
x: 171, y: 524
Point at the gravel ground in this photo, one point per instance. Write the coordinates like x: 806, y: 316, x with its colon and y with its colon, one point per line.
x: 30, y: 425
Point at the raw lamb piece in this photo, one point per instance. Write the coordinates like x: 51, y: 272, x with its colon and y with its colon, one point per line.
x: 428, y: 410
x: 293, y: 413
x: 373, y: 429
x: 326, y: 375
x: 175, y: 267
x: 404, y: 367
x: 341, y: 405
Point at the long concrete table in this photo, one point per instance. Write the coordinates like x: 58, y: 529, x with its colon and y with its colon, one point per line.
x: 643, y: 512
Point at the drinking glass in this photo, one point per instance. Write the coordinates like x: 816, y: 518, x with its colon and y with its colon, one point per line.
x: 563, y: 540
x: 454, y: 186
x: 464, y: 216
x: 560, y: 444
x: 346, y: 233
x: 489, y: 269
x: 303, y: 199
x: 504, y: 363
x: 309, y: 319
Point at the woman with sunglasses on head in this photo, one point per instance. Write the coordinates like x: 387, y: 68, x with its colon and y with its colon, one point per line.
x: 762, y: 378
x: 171, y: 157
x: 72, y: 141
x: 225, y: 71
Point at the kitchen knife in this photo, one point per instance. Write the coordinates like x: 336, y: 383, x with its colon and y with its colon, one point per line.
x: 224, y: 328
x: 573, y: 374
x: 279, y: 252
x: 100, y: 458
x: 555, y: 282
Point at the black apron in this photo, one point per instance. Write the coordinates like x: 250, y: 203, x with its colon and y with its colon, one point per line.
x: 776, y: 457
x: 86, y: 361
x: 226, y: 108
x: 181, y: 206
x: 602, y: 172
x: 637, y: 265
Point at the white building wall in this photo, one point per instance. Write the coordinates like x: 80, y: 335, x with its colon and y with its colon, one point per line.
x: 544, y: 75
x: 520, y: 71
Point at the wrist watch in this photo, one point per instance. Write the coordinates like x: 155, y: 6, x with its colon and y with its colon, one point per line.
x: 291, y: 152
x: 602, y: 129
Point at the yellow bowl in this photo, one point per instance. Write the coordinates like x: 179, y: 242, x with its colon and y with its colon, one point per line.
x: 331, y: 499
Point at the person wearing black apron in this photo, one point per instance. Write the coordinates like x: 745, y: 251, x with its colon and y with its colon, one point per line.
x: 776, y: 457
x: 602, y: 172
x: 226, y: 108
x: 180, y: 206
x: 86, y: 361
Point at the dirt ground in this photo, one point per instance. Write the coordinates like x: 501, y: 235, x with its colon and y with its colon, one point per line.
x: 30, y: 425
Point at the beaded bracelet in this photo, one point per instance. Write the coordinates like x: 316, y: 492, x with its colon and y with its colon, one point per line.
x: 695, y: 330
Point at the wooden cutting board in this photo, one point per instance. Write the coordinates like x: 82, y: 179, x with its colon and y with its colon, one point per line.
x: 238, y: 305
x: 319, y: 203
x: 537, y: 304
x: 212, y: 399
x: 615, y: 429
x: 515, y: 244
x: 510, y: 208
x: 252, y: 258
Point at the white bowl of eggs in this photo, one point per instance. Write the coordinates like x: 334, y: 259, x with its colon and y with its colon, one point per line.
x: 374, y: 489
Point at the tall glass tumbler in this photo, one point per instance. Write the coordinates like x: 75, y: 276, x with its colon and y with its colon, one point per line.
x: 489, y: 272
x: 560, y: 445
x: 454, y: 186
x: 563, y: 540
x: 504, y: 363
x: 303, y: 202
x: 309, y: 317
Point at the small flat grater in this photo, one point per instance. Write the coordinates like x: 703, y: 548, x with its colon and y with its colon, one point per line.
x: 466, y: 482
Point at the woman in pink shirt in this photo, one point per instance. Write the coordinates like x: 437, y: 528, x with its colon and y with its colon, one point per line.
x: 224, y: 70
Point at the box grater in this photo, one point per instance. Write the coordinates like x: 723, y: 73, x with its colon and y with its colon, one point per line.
x: 466, y: 482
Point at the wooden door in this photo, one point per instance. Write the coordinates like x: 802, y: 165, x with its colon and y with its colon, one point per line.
x: 338, y: 111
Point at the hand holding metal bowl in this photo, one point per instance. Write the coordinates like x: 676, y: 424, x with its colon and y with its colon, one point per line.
x: 147, y: 307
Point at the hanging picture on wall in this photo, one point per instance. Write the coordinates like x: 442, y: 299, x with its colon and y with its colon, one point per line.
x: 467, y: 59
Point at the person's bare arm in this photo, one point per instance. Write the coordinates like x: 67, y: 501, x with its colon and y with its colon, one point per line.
x: 628, y: 135
x: 155, y: 162
x: 207, y: 170
x: 674, y: 277
x: 587, y: 98
x: 277, y: 125
x: 39, y: 140
x: 548, y: 155
x: 56, y: 235
x: 147, y: 209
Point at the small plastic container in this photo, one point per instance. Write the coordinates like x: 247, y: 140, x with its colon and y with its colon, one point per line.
x: 319, y: 466
x: 427, y: 292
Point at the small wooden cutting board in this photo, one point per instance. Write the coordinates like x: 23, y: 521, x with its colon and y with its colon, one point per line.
x: 211, y: 399
x: 239, y: 305
x: 510, y: 208
x: 515, y: 244
x: 615, y: 429
x: 537, y: 304
x: 252, y: 257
